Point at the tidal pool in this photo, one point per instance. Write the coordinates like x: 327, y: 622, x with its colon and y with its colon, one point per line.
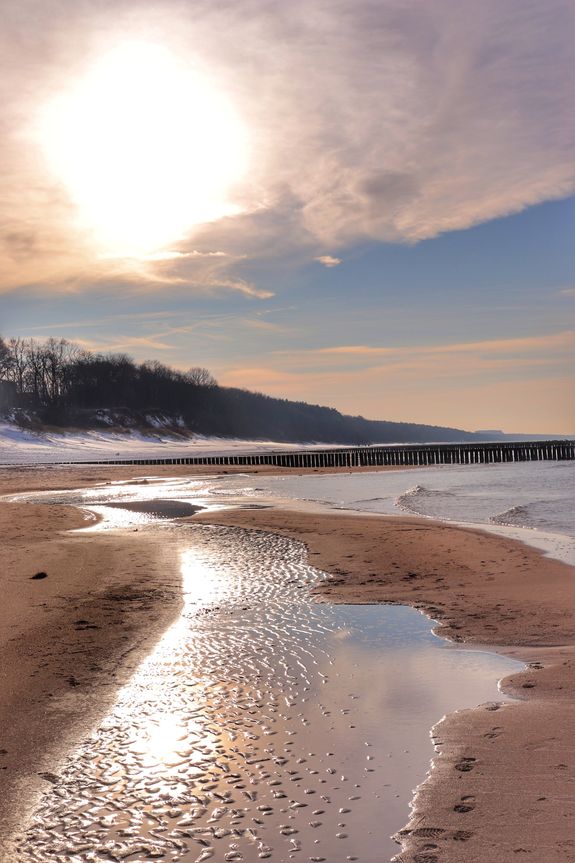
x: 264, y: 725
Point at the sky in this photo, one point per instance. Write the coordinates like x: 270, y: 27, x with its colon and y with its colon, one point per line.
x: 369, y: 205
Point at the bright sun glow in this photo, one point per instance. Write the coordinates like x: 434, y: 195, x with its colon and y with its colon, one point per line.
x: 146, y: 147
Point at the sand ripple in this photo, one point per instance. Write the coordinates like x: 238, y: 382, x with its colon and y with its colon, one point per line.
x: 251, y: 732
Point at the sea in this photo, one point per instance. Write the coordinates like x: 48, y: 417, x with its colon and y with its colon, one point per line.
x: 530, y: 501
x: 533, y: 502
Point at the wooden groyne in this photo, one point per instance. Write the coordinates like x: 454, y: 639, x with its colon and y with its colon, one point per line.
x: 374, y: 456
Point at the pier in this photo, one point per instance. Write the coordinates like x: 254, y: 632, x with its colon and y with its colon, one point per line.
x: 403, y: 455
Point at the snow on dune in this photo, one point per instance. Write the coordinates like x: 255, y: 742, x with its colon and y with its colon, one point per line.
x: 21, y: 446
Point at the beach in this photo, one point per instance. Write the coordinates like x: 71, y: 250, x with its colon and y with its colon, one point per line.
x: 69, y: 640
x: 502, y: 780
x: 501, y: 787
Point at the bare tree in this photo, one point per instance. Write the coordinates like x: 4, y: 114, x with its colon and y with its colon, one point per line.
x: 5, y: 359
x: 57, y: 356
x: 19, y: 364
x: 200, y: 377
x: 41, y: 370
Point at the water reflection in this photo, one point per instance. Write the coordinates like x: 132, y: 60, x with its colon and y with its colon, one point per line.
x: 160, y: 739
x: 264, y: 725
x: 202, y: 583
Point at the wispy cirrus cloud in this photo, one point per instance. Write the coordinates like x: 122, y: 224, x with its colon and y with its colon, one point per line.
x: 248, y: 289
x: 384, y: 120
x: 144, y: 334
x: 174, y: 255
x: 552, y: 342
x: 358, y: 368
x: 121, y: 343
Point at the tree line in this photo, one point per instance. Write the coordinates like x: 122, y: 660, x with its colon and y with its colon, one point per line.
x: 59, y: 383
x: 57, y: 373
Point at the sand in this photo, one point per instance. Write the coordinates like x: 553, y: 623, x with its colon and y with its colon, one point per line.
x: 503, y: 783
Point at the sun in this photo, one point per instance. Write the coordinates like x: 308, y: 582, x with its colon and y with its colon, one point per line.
x: 146, y: 147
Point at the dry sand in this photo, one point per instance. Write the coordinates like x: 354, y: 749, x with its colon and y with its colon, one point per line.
x: 503, y: 786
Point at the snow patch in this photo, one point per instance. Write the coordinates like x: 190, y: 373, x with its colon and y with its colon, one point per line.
x: 23, y: 446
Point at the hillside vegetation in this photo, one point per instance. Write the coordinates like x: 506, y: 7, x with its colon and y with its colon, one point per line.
x: 57, y: 384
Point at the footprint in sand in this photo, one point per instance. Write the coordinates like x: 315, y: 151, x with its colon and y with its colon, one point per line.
x: 462, y: 835
x: 463, y: 807
x: 496, y: 731
x: 466, y: 764
x: 428, y: 832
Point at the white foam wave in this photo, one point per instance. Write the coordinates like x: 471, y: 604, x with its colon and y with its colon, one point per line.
x: 420, y: 500
x: 515, y: 516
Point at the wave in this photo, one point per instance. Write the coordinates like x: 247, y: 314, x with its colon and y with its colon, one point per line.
x: 550, y: 515
x: 515, y: 516
x: 420, y: 500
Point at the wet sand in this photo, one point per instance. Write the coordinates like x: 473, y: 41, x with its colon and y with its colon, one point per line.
x: 70, y: 640
x: 502, y: 787
x: 503, y: 783
x: 22, y: 478
x: 253, y: 730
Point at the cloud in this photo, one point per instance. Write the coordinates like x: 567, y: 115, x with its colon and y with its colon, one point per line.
x: 107, y: 320
x: 243, y: 287
x: 382, y: 120
x: 179, y: 256
x: 529, y: 344
x: 568, y: 292
x: 365, y: 367
x: 123, y: 343
x: 328, y: 261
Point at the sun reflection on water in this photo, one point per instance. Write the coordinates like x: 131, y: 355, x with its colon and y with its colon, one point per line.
x: 160, y: 738
x: 202, y: 584
x: 164, y: 740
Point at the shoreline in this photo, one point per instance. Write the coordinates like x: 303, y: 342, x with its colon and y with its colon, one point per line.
x: 457, y: 812
x: 19, y: 479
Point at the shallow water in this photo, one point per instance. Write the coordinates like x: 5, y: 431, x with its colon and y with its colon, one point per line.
x: 537, y: 495
x: 533, y: 502
x: 264, y: 725
x: 530, y: 501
